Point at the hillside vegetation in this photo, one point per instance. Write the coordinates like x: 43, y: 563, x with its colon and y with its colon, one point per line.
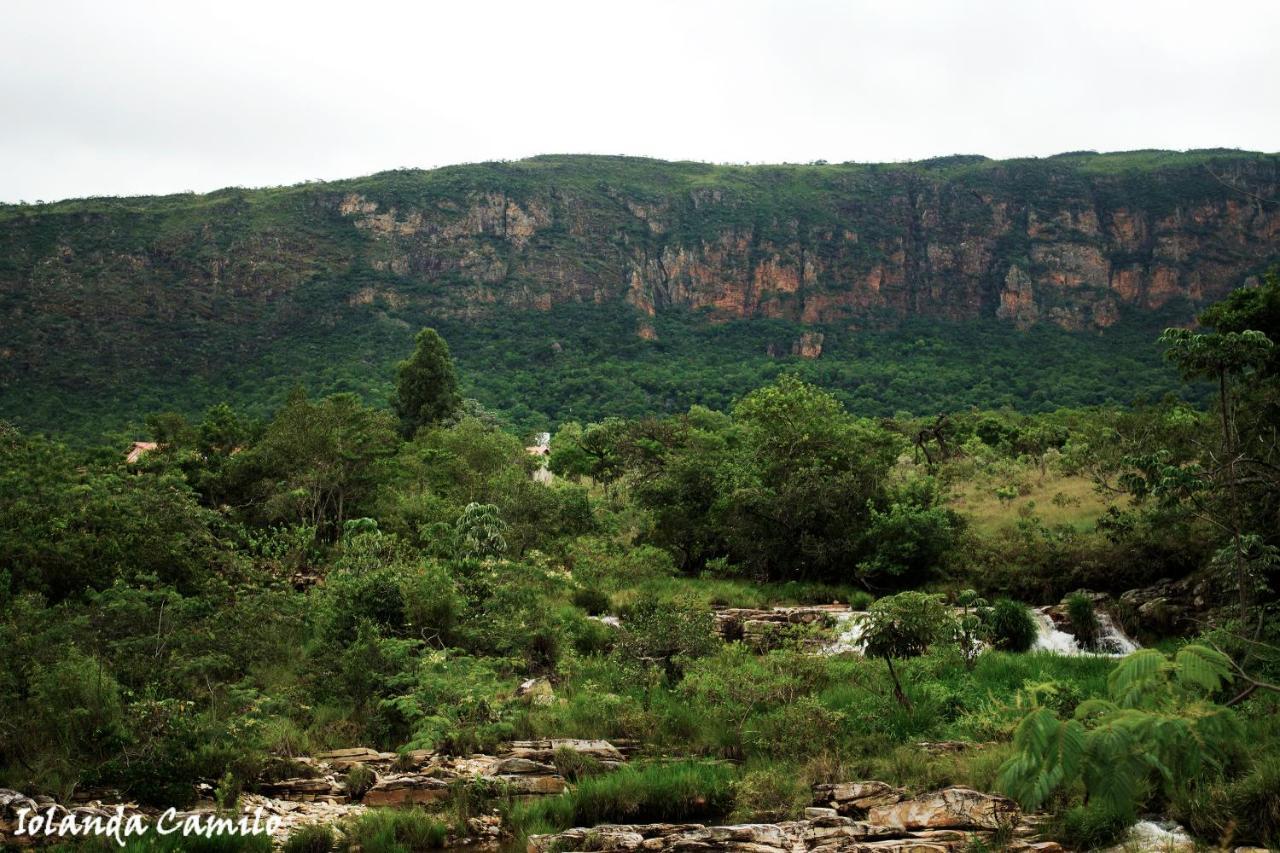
x: 201, y: 622
x: 578, y: 287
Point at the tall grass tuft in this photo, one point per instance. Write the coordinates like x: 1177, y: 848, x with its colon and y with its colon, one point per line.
x: 667, y: 792
x: 395, y: 831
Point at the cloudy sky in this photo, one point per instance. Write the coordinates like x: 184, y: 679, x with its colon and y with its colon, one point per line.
x: 139, y: 97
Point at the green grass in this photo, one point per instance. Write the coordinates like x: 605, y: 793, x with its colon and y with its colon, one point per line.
x: 671, y: 792
x: 395, y: 831
x: 1055, y: 499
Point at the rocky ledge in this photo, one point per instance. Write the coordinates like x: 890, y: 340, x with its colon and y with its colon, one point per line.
x: 762, y: 628
x: 887, y: 822
x: 522, y: 769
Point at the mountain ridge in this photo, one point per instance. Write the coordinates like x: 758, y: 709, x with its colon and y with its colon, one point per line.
x: 100, y: 295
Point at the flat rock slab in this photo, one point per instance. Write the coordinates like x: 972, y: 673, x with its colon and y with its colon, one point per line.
x: 950, y: 808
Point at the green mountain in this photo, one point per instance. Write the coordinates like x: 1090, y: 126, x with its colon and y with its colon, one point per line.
x: 579, y: 286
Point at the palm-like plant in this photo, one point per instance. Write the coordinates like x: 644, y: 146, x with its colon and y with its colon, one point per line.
x: 1158, y: 726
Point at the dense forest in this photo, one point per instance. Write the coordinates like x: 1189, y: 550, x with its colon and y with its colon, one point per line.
x: 759, y: 580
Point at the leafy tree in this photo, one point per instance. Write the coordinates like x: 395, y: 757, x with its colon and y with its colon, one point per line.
x: 426, y: 385
x: 905, y: 626
x: 1214, y: 485
x: 319, y: 463
x: 480, y: 532
x: 908, y: 540
x: 794, y: 496
x: 68, y: 525
x: 1158, y: 727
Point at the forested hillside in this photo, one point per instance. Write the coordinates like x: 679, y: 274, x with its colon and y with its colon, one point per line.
x: 774, y: 624
x: 577, y: 287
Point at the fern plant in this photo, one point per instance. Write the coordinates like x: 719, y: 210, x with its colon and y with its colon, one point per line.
x: 1157, y: 728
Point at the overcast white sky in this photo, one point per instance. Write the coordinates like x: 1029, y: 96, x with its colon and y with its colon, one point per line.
x: 150, y: 97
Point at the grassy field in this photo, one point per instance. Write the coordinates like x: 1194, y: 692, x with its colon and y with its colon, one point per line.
x: 1056, y: 499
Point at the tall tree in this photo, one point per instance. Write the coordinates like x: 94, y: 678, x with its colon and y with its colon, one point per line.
x: 426, y: 385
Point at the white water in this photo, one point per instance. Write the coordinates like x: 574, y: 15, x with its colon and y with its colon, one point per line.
x: 1112, y: 641
x: 1156, y: 837
x: 849, y: 628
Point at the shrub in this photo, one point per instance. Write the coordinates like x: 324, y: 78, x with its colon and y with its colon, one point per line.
x: 1091, y: 827
x: 399, y: 831
x: 359, y: 780
x: 798, y: 729
x: 861, y: 600
x: 313, y: 838
x: 657, y: 793
x: 1011, y: 626
x: 574, y: 765
x: 1243, y: 811
x: 667, y: 630
x: 1083, y: 619
x: 592, y: 600
x: 771, y: 794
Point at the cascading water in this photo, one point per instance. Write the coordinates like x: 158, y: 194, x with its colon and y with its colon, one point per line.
x: 849, y: 627
x: 1112, y: 642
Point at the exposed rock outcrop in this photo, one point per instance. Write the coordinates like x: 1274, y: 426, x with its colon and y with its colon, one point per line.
x: 948, y: 820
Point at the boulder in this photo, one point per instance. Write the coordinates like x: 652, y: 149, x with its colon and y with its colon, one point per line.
x: 545, y: 750
x: 407, y: 789
x: 514, y: 766
x: 950, y: 808
x: 344, y: 758
x: 305, y: 789
x: 536, y: 691
x: 535, y: 786
x: 854, y: 798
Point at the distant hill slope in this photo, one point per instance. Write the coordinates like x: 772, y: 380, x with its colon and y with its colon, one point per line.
x: 549, y: 273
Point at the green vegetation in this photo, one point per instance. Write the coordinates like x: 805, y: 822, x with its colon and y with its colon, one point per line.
x: 119, y: 307
x: 676, y: 792
x: 249, y: 592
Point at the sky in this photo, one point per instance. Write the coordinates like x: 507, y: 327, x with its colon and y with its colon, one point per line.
x: 129, y: 98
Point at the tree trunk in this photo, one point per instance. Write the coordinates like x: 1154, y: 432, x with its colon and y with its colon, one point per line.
x: 898, y: 692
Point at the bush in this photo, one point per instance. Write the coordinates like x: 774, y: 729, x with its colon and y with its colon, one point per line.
x: 1011, y: 626
x: 657, y: 793
x: 575, y: 766
x: 1243, y: 811
x: 592, y: 600
x: 667, y: 630
x: 771, y: 794
x: 399, y: 831
x: 1083, y: 619
x: 314, y: 838
x: 1091, y: 827
x: 358, y: 781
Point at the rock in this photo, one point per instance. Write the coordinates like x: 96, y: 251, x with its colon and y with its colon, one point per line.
x: 304, y: 790
x: 950, y: 808
x: 406, y: 789
x: 545, y: 750
x: 344, y: 758
x: 520, y: 765
x: 536, y: 691
x: 856, y: 797
x: 536, y: 786
x: 815, y: 812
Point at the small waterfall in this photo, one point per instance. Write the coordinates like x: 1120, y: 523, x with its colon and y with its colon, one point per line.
x: 849, y: 628
x: 1051, y: 638
x: 1112, y: 642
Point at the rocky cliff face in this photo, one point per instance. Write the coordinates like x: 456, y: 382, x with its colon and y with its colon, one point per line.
x: 1024, y: 245
x: 198, y: 283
